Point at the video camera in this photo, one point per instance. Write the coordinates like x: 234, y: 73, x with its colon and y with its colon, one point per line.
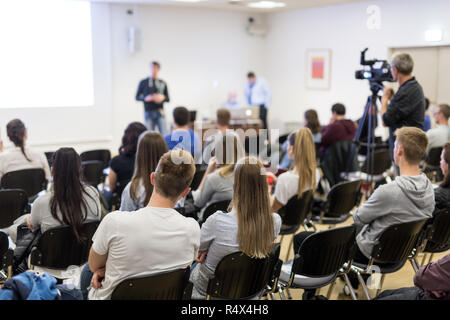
x: 379, y: 71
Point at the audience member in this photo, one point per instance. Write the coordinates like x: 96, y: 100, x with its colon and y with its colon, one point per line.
x: 231, y: 102
x: 249, y: 227
x: 21, y: 157
x: 69, y: 202
x: 311, y: 122
x: 152, y: 240
x: 122, y: 165
x: 442, y: 193
x: 217, y: 182
x: 409, y: 197
x: 339, y: 129
x: 438, y: 136
x: 304, y: 174
x: 151, y: 146
x: 182, y: 137
x: 432, y: 282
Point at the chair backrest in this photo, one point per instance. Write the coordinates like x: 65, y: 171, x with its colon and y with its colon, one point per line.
x: 13, y: 203
x: 102, y: 155
x: 164, y: 286
x: 6, y: 254
x: 297, y: 209
x: 382, y: 162
x: 339, y: 157
x: 198, y: 176
x: 397, y: 242
x: 32, y: 181
x: 324, y: 253
x: 214, y: 207
x: 238, y: 276
x: 49, y: 156
x: 92, y: 172
x: 58, y: 247
x: 433, y: 157
x: 4, y: 243
x: 117, y: 194
x: 440, y: 236
x: 342, y: 198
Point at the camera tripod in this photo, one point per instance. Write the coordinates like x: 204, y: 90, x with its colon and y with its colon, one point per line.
x: 370, y: 114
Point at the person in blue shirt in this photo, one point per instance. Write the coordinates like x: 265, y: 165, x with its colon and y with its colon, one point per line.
x: 257, y: 93
x: 426, y: 119
x: 181, y: 136
x: 231, y: 102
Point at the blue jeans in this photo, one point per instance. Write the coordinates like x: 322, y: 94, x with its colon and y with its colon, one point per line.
x: 85, y: 281
x: 155, y: 119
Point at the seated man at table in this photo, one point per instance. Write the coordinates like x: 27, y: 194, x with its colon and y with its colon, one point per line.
x: 182, y: 136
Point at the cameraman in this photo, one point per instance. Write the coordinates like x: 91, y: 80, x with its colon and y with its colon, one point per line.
x: 407, y: 106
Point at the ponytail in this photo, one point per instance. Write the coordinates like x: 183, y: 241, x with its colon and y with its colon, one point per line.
x: 16, y: 133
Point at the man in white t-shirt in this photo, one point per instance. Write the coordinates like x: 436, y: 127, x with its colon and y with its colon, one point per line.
x: 439, y: 136
x: 152, y: 240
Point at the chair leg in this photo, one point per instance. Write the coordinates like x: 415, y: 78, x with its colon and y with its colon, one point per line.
x: 280, y: 291
x: 414, y: 264
x: 330, y: 289
x: 381, y: 283
x: 288, y: 294
x: 291, y: 243
x: 423, y: 259
x: 431, y: 258
x: 361, y: 282
x: 349, y: 285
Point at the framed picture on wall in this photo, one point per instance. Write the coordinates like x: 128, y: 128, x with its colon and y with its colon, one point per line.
x: 318, y: 66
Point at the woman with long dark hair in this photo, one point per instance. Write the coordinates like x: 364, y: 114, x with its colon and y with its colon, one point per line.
x: 69, y: 202
x: 442, y: 193
x: 151, y: 147
x: 21, y: 157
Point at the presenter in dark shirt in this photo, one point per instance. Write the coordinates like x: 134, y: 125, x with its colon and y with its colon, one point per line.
x: 407, y: 106
x: 153, y: 92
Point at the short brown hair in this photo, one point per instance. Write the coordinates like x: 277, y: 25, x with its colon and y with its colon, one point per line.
x: 223, y: 117
x: 415, y: 143
x: 174, y: 173
x: 445, y: 109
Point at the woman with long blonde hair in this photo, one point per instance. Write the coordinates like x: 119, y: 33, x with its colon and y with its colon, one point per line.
x: 303, y: 175
x: 217, y: 182
x: 249, y: 227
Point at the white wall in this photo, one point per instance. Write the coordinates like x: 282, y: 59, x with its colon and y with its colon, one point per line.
x: 343, y: 30
x: 80, y: 127
x: 196, y: 48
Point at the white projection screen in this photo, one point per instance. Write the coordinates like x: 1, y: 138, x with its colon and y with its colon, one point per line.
x: 46, y: 54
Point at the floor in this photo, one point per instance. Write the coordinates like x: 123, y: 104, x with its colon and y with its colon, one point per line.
x: 402, y: 278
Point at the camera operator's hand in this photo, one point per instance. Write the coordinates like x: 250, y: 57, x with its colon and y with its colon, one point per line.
x: 388, y: 93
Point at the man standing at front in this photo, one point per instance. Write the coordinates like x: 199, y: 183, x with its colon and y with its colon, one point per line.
x: 257, y: 94
x: 407, y: 107
x: 153, y: 92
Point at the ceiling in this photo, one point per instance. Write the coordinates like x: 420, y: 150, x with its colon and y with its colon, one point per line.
x: 240, y: 5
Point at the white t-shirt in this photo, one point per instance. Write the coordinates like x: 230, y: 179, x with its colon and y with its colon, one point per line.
x: 287, y: 186
x: 14, y: 160
x: 144, y: 242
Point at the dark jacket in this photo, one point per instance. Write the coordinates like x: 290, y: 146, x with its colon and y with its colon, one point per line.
x: 442, y: 198
x: 339, y: 130
x: 156, y: 86
x: 339, y: 158
x: 406, y: 109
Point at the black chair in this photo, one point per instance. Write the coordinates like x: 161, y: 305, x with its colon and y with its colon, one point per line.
x: 117, y: 193
x: 214, y: 207
x: 102, y: 155
x: 13, y: 204
x: 92, y: 172
x: 238, y: 276
x: 432, y: 164
x: 275, y: 266
x: 395, y: 245
x: 295, y: 215
x: 49, y: 156
x: 58, y: 248
x: 6, y: 254
x: 32, y: 181
x: 173, y: 285
x: 438, y: 236
x: 198, y: 176
x: 341, y: 199
x: 339, y: 158
x: 321, y: 258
